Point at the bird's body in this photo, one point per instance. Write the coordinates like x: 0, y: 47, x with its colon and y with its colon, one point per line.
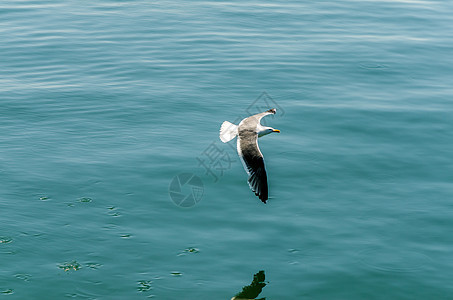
x: 248, y: 131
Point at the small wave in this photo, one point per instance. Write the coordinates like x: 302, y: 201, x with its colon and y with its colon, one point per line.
x: 385, y: 260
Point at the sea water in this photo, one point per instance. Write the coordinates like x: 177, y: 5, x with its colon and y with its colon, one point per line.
x: 115, y: 185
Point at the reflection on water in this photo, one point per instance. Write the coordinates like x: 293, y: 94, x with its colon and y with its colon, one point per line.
x: 252, y: 290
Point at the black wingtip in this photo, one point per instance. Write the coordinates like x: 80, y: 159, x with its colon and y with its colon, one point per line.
x: 272, y: 110
x: 262, y: 197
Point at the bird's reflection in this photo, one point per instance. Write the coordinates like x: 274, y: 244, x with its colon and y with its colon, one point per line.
x: 251, y: 291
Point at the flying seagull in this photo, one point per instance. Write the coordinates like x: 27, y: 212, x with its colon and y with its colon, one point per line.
x: 248, y: 132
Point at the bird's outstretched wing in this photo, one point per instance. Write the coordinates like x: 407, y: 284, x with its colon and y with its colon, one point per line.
x: 255, y: 119
x: 253, y: 162
x: 250, y: 154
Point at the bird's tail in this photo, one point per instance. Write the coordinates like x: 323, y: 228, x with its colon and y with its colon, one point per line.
x: 228, y: 131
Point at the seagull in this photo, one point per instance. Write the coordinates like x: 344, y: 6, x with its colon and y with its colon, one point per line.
x: 248, y: 131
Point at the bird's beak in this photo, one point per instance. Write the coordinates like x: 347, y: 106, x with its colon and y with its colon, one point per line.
x: 276, y: 130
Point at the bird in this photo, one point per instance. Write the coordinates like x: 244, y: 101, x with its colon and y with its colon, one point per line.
x: 247, y: 132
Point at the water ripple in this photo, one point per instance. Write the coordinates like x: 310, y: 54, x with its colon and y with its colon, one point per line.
x: 393, y: 261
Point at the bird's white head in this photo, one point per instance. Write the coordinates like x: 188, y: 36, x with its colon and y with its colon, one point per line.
x: 266, y: 130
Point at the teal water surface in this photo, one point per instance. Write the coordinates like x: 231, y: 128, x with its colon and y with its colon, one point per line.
x: 103, y: 103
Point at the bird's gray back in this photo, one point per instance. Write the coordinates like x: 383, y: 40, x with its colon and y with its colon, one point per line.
x: 248, y: 136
